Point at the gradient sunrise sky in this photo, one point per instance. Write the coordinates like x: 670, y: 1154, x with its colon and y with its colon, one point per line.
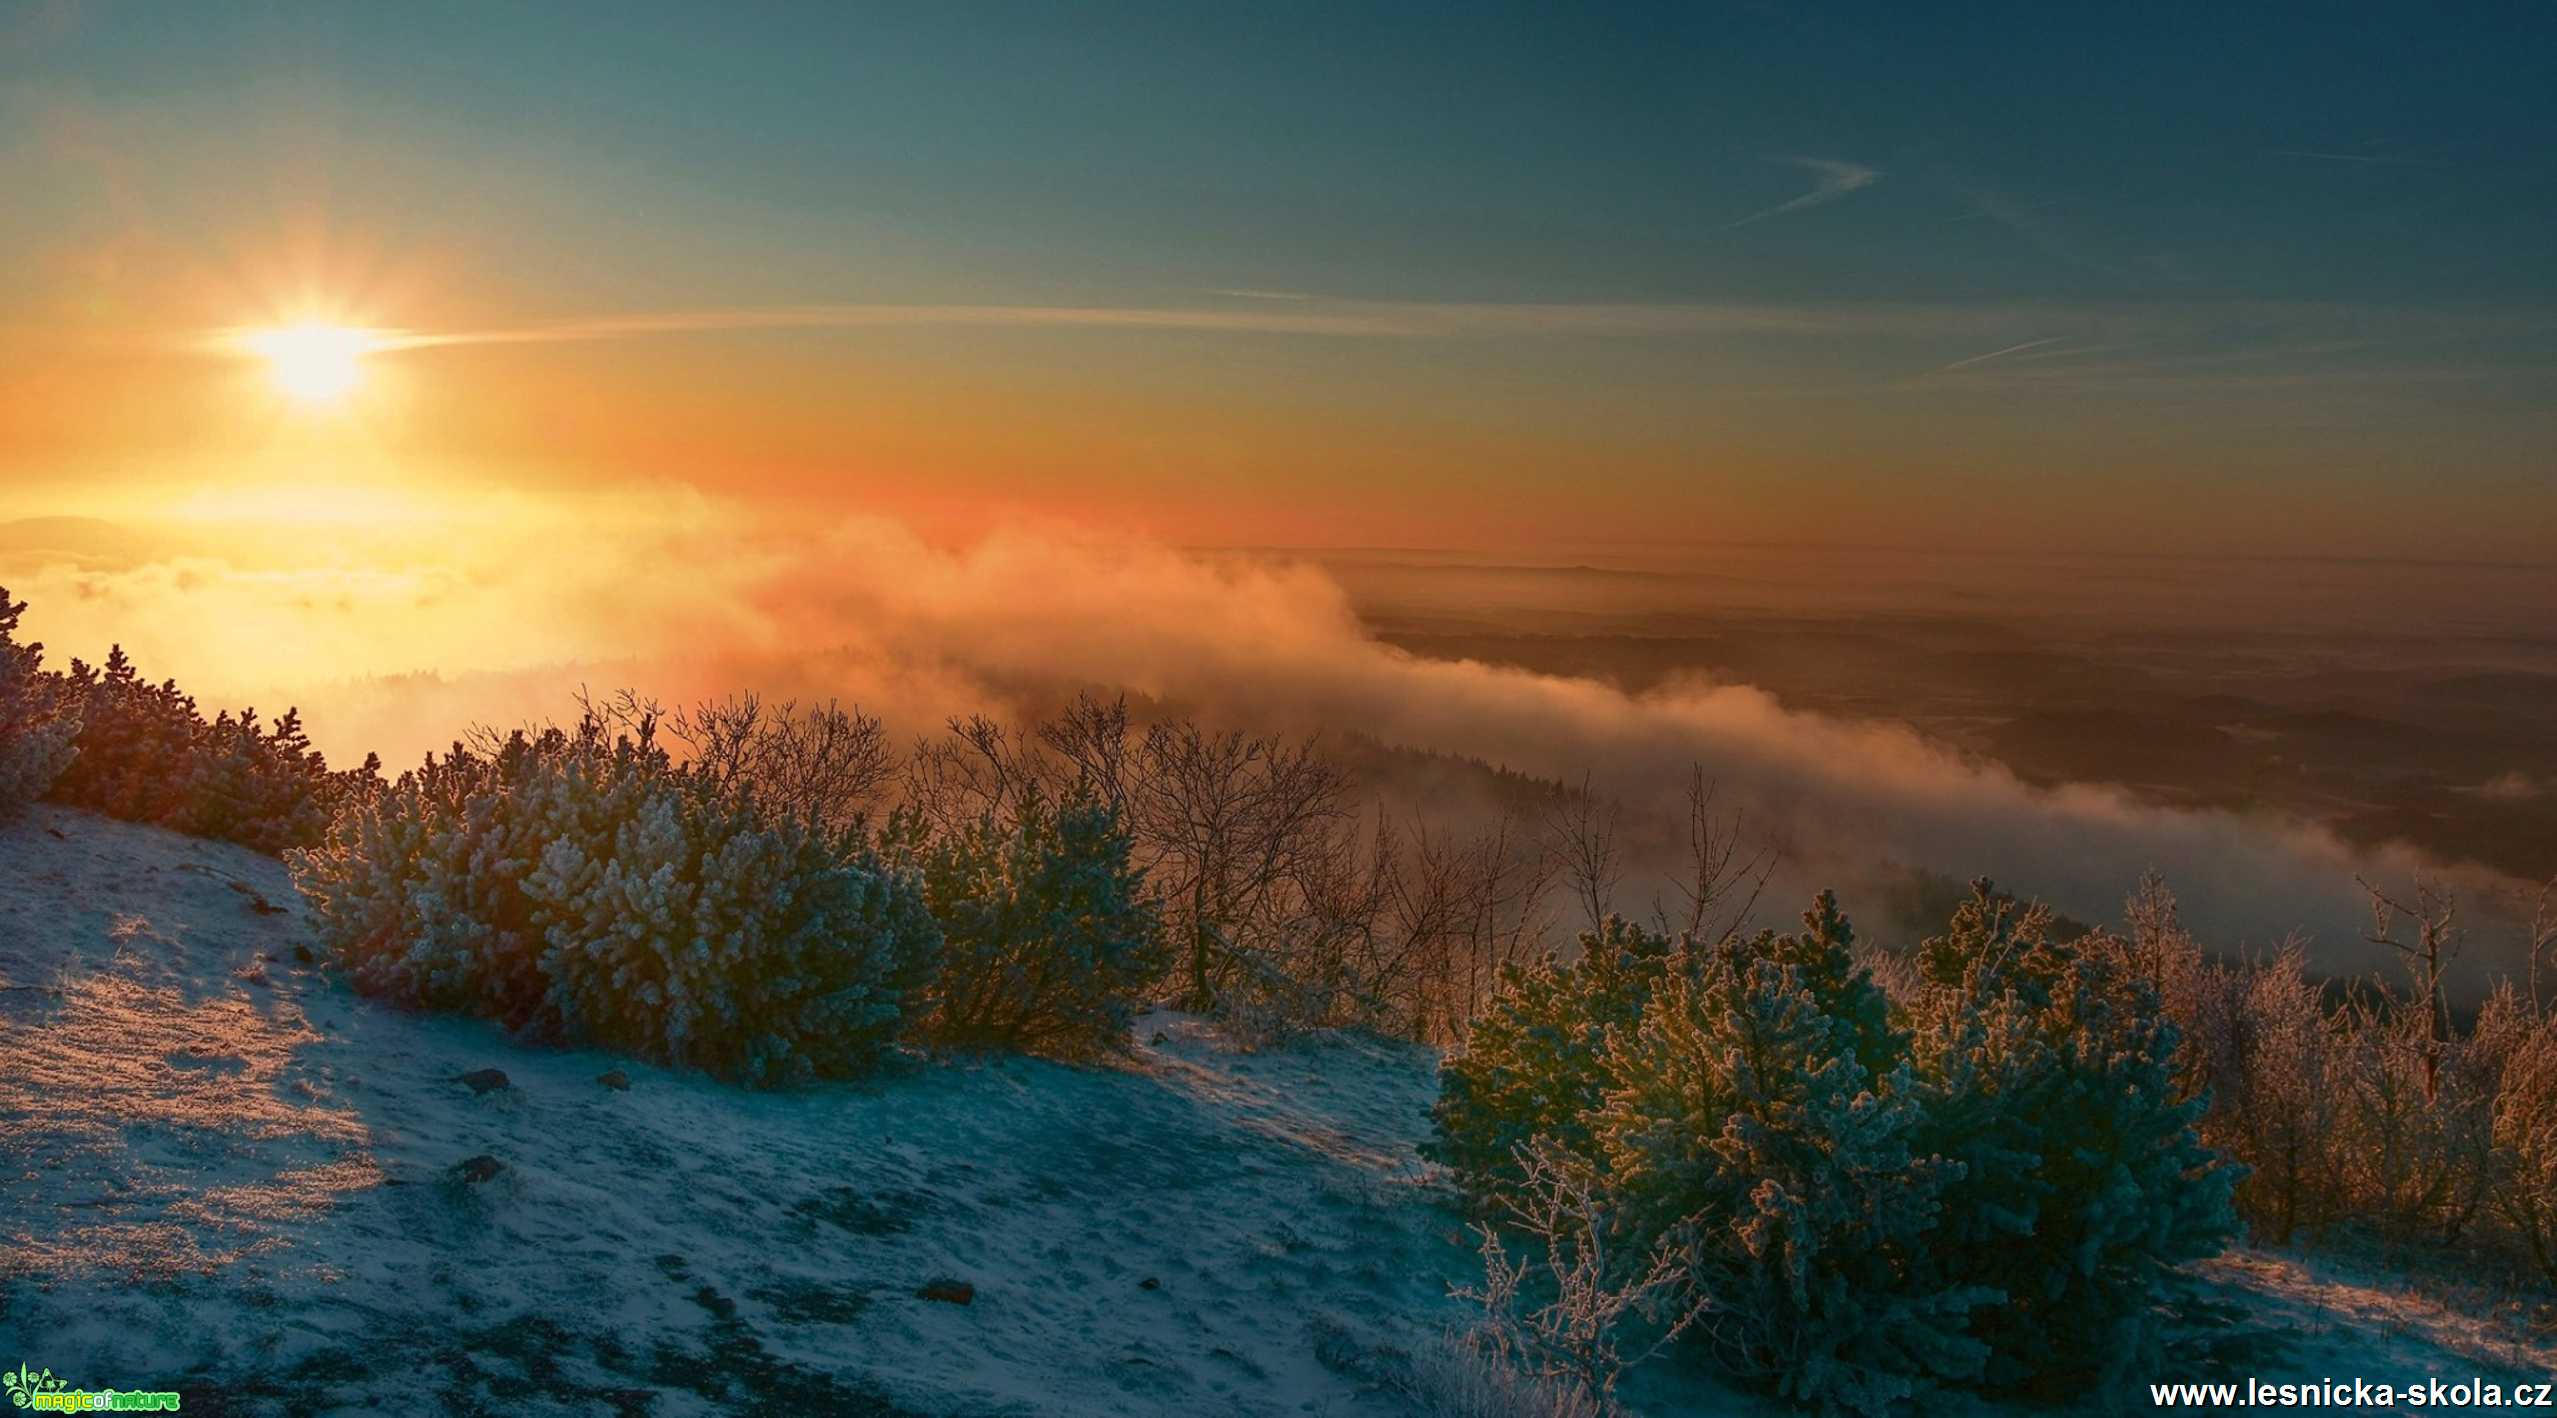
x: 2202, y: 278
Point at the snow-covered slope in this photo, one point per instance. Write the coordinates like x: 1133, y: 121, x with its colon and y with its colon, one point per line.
x: 227, y: 1175
x: 222, y: 1173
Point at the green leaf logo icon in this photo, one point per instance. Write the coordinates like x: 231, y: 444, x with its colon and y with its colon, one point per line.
x: 26, y: 1383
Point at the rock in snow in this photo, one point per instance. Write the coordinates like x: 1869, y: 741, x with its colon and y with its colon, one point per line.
x: 484, y: 1080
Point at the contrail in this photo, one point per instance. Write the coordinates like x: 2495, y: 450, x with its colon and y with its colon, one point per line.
x: 1835, y: 180
x: 1997, y: 354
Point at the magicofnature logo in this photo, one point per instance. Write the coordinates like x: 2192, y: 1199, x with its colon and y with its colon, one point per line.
x: 42, y: 1392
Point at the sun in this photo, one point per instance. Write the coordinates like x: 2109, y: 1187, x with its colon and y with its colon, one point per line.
x: 313, y: 364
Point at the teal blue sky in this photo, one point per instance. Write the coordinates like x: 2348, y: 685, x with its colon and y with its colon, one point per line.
x: 1844, y: 267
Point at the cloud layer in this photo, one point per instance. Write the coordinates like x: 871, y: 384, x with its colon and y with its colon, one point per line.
x: 1020, y: 618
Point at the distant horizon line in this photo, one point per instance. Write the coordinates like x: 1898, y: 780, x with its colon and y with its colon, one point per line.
x: 1798, y: 544
x: 1319, y: 551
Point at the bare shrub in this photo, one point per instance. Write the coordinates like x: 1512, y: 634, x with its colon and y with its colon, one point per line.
x: 2543, y: 943
x: 1726, y: 873
x: 2419, y: 1098
x: 1410, y: 925
x: 1561, y: 1313
x: 976, y: 770
x: 1464, y: 1376
x: 1286, y: 907
x: 2281, y: 1106
x: 824, y: 764
x: 1580, y: 831
x: 1237, y: 824
x: 2434, y: 914
x: 2195, y: 994
x: 2524, y: 1183
x: 2366, y: 1106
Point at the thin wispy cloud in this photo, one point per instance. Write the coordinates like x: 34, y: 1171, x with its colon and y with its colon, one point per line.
x: 1304, y: 315
x: 2131, y: 377
x: 2168, y: 362
x: 2381, y: 159
x: 1984, y: 213
x: 2042, y: 342
x: 1832, y: 180
x: 1980, y: 359
x: 856, y: 317
x: 2040, y: 225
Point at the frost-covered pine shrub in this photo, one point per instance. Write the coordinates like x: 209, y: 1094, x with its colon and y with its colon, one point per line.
x: 268, y: 790
x: 708, y: 935
x: 38, y: 719
x: 1824, y: 962
x: 583, y: 889
x: 1530, y: 1066
x: 147, y: 755
x: 1744, y: 1120
x: 419, y: 892
x: 1048, y: 939
x: 2050, y: 1072
x: 137, y: 743
x: 1984, y: 1188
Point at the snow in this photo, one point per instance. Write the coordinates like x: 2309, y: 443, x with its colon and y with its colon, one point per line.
x: 223, y: 1173
x: 2333, y: 1317
x: 226, y: 1174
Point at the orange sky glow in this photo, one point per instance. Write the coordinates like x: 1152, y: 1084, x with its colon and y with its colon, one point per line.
x: 1588, y: 317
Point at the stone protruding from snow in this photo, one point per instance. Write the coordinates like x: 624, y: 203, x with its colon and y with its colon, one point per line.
x: 615, y: 1080
x: 485, y: 1080
x: 478, y: 1169
x: 949, y: 1292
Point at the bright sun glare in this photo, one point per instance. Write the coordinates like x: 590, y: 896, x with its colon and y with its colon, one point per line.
x: 314, y: 364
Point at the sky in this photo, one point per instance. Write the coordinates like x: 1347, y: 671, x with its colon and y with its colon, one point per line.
x: 418, y: 364
x: 2203, y: 279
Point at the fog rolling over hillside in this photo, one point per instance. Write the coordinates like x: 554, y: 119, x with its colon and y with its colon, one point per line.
x: 2390, y: 703
x: 1869, y: 716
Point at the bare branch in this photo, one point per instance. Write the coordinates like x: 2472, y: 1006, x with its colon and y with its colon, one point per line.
x: 1581, y: 831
